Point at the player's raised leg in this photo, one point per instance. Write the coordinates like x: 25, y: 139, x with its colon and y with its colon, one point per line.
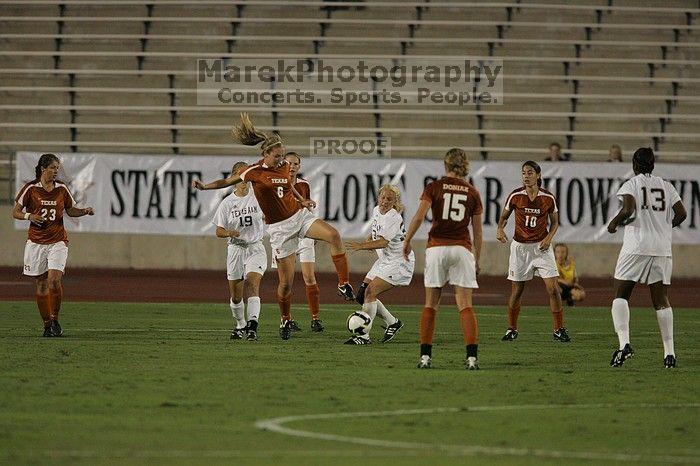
x: 322, y: 231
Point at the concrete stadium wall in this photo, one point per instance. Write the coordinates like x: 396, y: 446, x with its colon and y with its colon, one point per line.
x: 121, y: 251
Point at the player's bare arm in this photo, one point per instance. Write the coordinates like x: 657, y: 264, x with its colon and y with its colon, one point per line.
x: 308, y: 203
x: 218, y: 184
x: 222, y: 232
x: 502, y: 222
x: 627, y: 210
x: 478, y: 239
x: 17, y: 214
x: 368, y: 245
x: 553, y: 227
x: 679, y: 214
x: 416, y: 221
x: 79, y: 212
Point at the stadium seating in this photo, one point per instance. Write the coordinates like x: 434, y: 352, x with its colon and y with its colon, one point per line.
x: 83, y: 76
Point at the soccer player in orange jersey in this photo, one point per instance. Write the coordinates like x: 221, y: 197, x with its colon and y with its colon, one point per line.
x: 531, y: 250
x: 44, y: 200
x: 287, y: 214
x: 306, y: 251
x: 450, y: 256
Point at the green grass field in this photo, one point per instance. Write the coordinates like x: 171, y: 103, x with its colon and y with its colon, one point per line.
x: 163, y: 384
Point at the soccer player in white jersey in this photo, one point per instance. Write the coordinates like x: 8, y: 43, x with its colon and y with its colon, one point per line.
x: 651, y: 207
x: 391, y: 268
x: 239, y: 219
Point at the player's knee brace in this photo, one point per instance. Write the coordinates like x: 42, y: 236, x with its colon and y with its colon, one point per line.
x: 360, y: 295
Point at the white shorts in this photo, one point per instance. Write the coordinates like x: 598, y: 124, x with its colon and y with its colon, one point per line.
x: 449, y: 264
x: 395, y: 272
x: 526, y: 261
x: 307, y: 250
x: 39, y: 258
x: 242, y: 260
x: 644, y: 269
x: 285, y: 235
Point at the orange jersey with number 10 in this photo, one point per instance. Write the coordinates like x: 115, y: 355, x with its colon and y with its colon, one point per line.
x: 453, y: 202
x: 50, y: 205
x: 531, y: 216
x: 273, y: 190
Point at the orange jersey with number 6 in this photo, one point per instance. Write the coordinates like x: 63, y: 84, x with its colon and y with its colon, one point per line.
x: 453, y: 202
x: 50, y: 205
x: 273, y: 190
x: 531, y: 216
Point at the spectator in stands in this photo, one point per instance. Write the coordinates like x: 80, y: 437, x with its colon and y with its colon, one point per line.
x: 555, y: 154
x: 391, y: 269
x: 571, y: 290
x: 306, y: 251
x: 44, y: 200
x: 239, y: 219
x: 450, y: 255
x: 287, y: 214
x: 615, y: 153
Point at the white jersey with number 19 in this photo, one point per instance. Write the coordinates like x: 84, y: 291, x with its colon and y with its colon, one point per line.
x: 650, y: 232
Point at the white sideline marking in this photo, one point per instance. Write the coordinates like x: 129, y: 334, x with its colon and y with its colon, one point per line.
x: 275, y: 425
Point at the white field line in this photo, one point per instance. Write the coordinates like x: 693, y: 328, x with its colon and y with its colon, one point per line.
x: 276, y: 425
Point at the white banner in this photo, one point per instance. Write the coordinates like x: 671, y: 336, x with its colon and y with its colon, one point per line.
x: 152, y: 194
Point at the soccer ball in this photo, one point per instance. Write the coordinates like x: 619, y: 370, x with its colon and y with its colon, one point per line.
x: 358, y: 323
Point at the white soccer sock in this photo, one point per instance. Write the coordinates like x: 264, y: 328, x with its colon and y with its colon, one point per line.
x: 385, y: 314
x: 621, y: 320
x: 371, y: 310
x: 254, y: 308
x: 665, y: 319
x: 237, y: 310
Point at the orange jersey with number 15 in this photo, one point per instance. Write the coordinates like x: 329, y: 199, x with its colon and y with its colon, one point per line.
x: 453, y: 202
x: 50, y: 205
x: 531, y: 216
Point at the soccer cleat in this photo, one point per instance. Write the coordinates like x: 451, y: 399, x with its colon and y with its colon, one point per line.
x: 357, y: 340
x: 472, y: 364
x: 316, y: 326
x: 511, y: 334
x: 669, y: 361
x: 285, y: 330
x: 238, y: 333
x: 294, y: 326
x: 252, y: 335
x: 47, y: 332
x: 561, y: 335
x: 56, y: 330
x: 620, y: 356
x: 425, y: 362
x: 346, y: 292
x: 392, y: 330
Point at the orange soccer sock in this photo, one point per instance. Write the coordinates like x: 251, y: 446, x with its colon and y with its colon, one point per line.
x: 513, y: 313
x: 340, y: 261
x: 285, y: 304
x: 313, y: 297
x: 44, y: 304
x: 56, y: 295
x: 470, y: 328
x: 427, y: 325
x: 558, y: 319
